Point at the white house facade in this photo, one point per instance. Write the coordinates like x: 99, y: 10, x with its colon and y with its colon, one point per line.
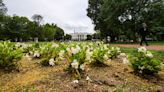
x: 79, y: 36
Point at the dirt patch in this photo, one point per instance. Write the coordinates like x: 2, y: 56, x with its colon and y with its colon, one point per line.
x: 116, y: 76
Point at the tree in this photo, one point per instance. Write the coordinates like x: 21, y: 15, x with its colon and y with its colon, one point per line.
x: 3, y: 8
x: 15, y: 27
x: 59, y: 34
x: 49, y: 31
x: 37, y: 18
x: 114, y: 17
x: 67, y: 37
x: 38, y: 28
x: 89, y: 37
x: 96, y: 35
x: 22, y: 29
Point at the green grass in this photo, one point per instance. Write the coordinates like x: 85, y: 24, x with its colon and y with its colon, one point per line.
x: 157, y: 54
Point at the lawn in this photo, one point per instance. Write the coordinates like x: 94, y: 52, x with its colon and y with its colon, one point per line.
x: 157, y: 54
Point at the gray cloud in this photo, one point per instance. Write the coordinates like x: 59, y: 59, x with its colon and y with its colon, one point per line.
x: 68, y: 14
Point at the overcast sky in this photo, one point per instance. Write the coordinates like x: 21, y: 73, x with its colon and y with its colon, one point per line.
x: 67, y: 14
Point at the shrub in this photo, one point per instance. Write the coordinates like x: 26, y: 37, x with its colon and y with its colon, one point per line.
x: 114, y: 52
x: 145, y: 63
x: 9, y: 55
x: 75, y: 56
x: 99, y: 56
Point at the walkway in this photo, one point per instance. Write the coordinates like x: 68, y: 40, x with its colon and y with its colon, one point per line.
x: 150, y: 47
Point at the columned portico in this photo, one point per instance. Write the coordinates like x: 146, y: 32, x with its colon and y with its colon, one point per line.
x: 79, y: 36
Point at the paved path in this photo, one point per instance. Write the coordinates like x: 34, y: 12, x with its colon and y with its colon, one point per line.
x: 150, y: 47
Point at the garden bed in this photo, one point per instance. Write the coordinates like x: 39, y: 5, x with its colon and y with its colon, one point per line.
x: 114, y: 77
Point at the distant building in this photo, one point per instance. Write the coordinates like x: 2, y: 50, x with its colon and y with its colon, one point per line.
x: 79, y: 36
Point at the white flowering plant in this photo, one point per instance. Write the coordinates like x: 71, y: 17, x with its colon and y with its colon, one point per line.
x: 100, y: 55
x: 114, y: 52
x: 9, y: 55
x: 144, y: 62
x: 49, y: 53
x: 76, y: 58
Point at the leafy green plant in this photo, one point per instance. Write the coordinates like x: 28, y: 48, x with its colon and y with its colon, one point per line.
x: 114, y: 52
x: 9, y: 55
x: 99, y: 56
x: 144, y: 62
x: 47, y: 52
x: 75, y: 56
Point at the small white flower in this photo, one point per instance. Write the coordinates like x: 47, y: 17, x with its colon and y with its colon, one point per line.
x: 118, y: 49
x: 88, y: 55
x: 61, y: 54
x: 30, y: 52
x: 75, y: 64
x: 77, y: 47
x: 69, y: 51
x: 18, y: 45
x: 51, y: 62
x: 142, y: 68
x: 88, y: 79
x: 109, y: 52
x: 149, y: 54
x: 75, y: 50
x: 55, y: 45
x: 142, y: 49
x: 125, y: 61
x: 123, y: 54
x: 29, y: 45
x: 82, y: 67
x: 75, y: 81
x: 36, y: 54
x: 105, y: 57
x: 105, y: 47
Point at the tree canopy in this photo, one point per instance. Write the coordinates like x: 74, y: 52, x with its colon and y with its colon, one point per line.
x: 114, y: 17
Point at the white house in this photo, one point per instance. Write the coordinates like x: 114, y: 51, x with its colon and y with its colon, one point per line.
x: 79, y: 36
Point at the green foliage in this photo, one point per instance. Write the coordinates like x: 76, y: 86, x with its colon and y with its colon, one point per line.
x: 98, y: 56
x: 47, y: 52
x: 18, y: 28
x: 76, y: 57
x: 37, y: 18
x: 144, y: 62
x: 114, y: 52
x: 59, y: 34
x: 114, y: 18
x: 67, y: 37
x: 3, y: 8
x: 9, y: 55
x: 89, y: 37
x: 96, y: 35
x: 45, y: 62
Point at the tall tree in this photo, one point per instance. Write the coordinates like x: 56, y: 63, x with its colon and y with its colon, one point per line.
x: 3, y: 8
x: 67, y: 37
x: 115, y: 17
x: 49, y: 32
x: 37, y: 18
x: 59, y: 34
